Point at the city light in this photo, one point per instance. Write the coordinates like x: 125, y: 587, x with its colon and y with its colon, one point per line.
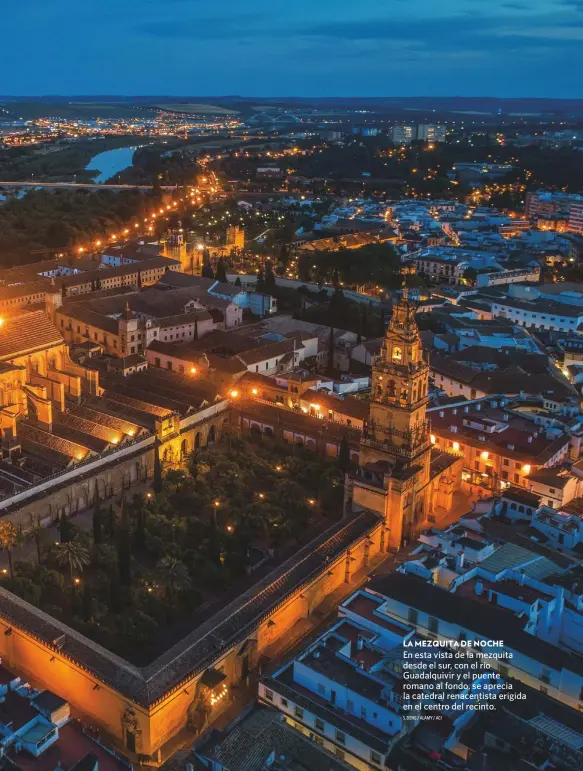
x: 234, y: 394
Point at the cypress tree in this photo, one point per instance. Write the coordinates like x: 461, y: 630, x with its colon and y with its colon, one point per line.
x: 344, y: 455
x: 111, y: 520
x: 87, y: 602
x: 97, y: 525
x: 382, y: 329
x: 64, y: 529
x: 157, y: 484
x: 331, y: 351
x: 124, y: 552
x: 221, y: 273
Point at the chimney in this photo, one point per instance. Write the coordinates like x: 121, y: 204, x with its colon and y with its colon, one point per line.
x: 521, y: 578
x: 360, y: 643
x: 459, y: 560
x: 479, y: 588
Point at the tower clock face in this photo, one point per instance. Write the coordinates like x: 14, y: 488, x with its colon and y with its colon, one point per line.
x: 397, y: 354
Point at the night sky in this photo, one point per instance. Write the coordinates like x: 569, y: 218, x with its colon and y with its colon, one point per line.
x: 293, y: 47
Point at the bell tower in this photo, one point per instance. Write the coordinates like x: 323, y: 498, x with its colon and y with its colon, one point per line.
x: 400, y: 377
x: 395, y: 448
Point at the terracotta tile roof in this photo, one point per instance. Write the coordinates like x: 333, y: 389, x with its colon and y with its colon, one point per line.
x: 104, y: 420
x: 24, y: 290
x: 52, y: 442
x: 85, y: 316
x: 27, y: 332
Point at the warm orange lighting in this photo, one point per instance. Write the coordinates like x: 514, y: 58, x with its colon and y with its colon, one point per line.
x: 526, y: 468
x: 216, y: 504
x: 234, y: 394
x: 456, y: 446
x: 432, y: 437
x: 278, y: 468
x: 229, y: 528
x: 315, y: 406
x: 98, y: 243
x: 485, y: 455
x: 77, y: 580
x: 1, y: 321
x: 80, y: 250
x: 311, y: 501
x: 254, y: 391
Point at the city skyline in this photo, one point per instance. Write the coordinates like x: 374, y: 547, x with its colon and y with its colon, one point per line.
x: 504, y: 48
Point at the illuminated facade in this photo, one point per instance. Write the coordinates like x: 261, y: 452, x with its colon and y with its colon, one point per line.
x: 400, y: 476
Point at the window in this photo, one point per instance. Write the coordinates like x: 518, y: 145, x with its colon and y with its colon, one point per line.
x: 156, y: 362
x: 433, y: 625
x: 363, y: 712
x: 322, y: 689
x: 299, y: 713
x: 268, y: 694
x: 349, y: 705
x: 413, y: 616
x: 375, y: 757
x: 340, y: 737
x: 505, y: 462
x: 504, y: 475
x: 283, y: 702
x: 320, y: 724
x: 339, y: 753
x: 517, y: 478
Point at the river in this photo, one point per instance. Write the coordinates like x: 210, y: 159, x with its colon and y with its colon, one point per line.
x: 111, y: 162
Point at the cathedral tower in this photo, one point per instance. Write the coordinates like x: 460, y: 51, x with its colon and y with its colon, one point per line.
x: 395, y: 451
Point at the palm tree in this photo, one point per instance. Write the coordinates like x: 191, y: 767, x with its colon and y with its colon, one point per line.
x: 35, y: 533
x: 174, y: 574
x: 72, y: 555
x: 8, y: 540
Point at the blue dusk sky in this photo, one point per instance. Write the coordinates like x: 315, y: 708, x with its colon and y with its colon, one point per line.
x: 293, y: 47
